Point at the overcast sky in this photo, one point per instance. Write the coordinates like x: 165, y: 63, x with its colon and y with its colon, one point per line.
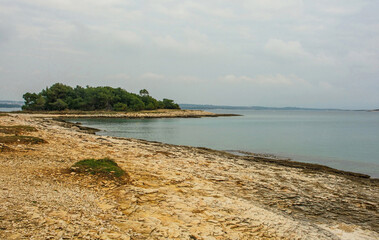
x: 304, y: 53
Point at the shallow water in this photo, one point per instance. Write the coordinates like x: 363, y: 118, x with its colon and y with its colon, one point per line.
x: 346, y: 140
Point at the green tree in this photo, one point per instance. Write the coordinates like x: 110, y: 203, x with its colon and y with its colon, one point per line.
x: 61, y: 97
x: 59, y: 105
x: 55, y: 92
x: 143, y: 92
x: 136, y: 104
x: 120, y: 107
x: 40, y: 103
x: 169, y: 104
x: 30, y: 100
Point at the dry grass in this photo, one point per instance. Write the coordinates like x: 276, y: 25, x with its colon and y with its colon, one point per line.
x: 4, y: 148
x: 16, y: 129
x: 21, y: 140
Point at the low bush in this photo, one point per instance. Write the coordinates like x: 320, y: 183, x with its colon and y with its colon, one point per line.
x: 103, y: 167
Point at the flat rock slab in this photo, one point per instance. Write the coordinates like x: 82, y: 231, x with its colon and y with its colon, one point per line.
x: 175, y: 192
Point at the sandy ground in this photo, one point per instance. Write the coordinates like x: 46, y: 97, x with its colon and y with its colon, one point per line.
x: 175, y: 192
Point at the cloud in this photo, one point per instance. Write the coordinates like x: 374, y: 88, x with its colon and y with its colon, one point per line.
x: 119, y: 76
x: 6, y: 32
x: 340, y: 10
x: 269, y: 80
x: 191, y: 42
x: 285, y: 49
x: 295, y: 51
x: 273, y: 9
x: 183, y: 10
x: 170, y: 78
x: 186, y: 79
x: 365, y: 61
x: 152, y: 76
x: 98, y: 38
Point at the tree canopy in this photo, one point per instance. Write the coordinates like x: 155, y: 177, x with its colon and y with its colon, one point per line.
x: 62, y: 97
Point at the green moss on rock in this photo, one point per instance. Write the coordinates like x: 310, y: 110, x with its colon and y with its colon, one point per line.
x: 103, y: 167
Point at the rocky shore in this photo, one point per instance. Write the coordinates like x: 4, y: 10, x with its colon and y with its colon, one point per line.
x: 161, y: 113
x: 174, y: 192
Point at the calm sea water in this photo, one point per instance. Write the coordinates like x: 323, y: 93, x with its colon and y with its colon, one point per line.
x: 9, y: 109
x: 344, y: 140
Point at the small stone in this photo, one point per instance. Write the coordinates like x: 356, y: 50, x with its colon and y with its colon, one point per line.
x: 15, y: 236
x: 105, y: 206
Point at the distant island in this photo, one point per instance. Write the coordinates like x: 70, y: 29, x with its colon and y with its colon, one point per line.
x: 10, y: 104
x: 61, y: 97
x: 205, y: 107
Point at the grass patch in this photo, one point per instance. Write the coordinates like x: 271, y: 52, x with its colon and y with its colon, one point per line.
x: 16, y: 129
x: 3, y: 114
x: 102, y: 167
x: 21, y: 140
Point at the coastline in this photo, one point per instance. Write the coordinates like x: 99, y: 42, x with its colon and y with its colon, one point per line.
x: 161, y: 113
x: 249, y: 156
x: 175, y: 191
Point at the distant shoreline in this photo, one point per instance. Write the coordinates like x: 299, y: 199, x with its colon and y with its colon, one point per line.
x: 162, y: 113
x: 223, y: 107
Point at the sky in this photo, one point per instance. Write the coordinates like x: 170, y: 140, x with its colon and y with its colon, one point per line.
x: 322, y: 54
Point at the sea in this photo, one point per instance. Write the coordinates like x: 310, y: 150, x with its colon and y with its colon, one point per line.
x: 345, y: 140
x: 10, y: 109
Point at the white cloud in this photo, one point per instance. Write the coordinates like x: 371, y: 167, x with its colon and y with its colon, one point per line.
x: 170, y: 78
x: 192, y: 44
x: 152, y: 76
x: 145, y: 43
x: 273, y: 9
x: 295, y: 51
x: 191, y: 9
x: 363, y: 61
x: 186, y: 79
x: 62, y: 50
x: 285, y: 49
x: 310, y: 28
x: 340, y: 10
x: 119, y: 76
x: 325, y: 85
x: 270, y: 80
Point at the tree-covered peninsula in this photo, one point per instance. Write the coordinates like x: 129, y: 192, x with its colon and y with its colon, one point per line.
x: 60, y: 97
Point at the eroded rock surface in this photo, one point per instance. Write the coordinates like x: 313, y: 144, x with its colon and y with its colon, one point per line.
x: 176, y: 192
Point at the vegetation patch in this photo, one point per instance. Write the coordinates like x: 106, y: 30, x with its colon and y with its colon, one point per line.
x: 21, y: 140
x: 16, y: 129
x: 102, y: 167
x: 3, y: 114
x: 61, y: 97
